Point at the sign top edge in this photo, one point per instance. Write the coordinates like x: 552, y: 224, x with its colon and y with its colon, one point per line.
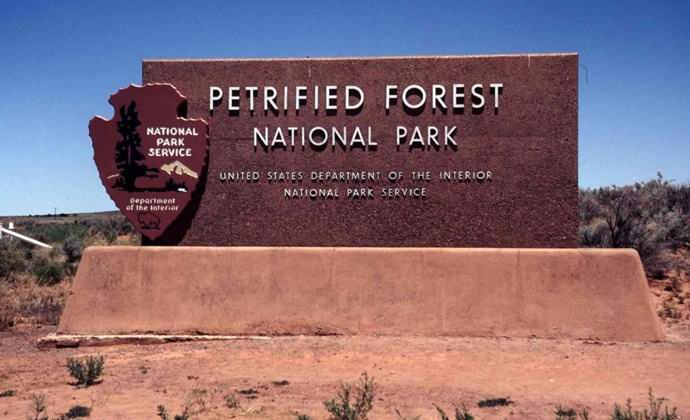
x: 394, y: 57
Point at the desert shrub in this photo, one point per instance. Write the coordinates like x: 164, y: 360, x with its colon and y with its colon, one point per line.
x: 109, y: 229
x: 11, y: 260
x: 651, y: 217
x: 43, y: 308
x: 199, y: 401
x: 565, y: 413
x: 594, y: 234
x: 8, y: 393
x: 86, y: 370
x: 670, y: 311
x: 6, y: 319
x: 73, y: 247
x: 70, y: 269
x: 657, y: 410
x: 231, y: 401
x: 495, y: 402
x: 38, y: 407
x: 76, y: 411
x: 8, y: 307
x: 401, y: 416
x: 460, y: 414
x: 101, y: 229
x: 47, y: 271
x: 163, y: 414
x: 353, y: 402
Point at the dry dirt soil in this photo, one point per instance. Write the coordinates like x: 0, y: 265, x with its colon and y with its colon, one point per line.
x: 278, y: 377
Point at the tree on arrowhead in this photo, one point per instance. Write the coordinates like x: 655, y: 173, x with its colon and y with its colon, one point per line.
x: 127, y: 154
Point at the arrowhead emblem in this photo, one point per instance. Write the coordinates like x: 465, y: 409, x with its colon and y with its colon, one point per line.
x: 149, y: 156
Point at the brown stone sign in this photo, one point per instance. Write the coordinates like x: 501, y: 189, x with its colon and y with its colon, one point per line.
x: 476, y: 151
x: 150, y: 159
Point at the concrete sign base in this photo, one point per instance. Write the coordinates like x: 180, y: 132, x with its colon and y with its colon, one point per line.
x: 551, y: 293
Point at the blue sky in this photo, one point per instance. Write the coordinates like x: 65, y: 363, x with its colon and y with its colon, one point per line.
x: 59, y: 62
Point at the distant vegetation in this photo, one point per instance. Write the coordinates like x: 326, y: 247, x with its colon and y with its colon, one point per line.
x: 34, y: 282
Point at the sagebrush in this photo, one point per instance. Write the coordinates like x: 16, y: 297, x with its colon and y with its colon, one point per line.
x: 86, y: 370
x: 353, y: 402
x: 163, y: 414
x: 461, y: 413
x: 651, y: 217
x: 656, y: 410
x: 565, y: 413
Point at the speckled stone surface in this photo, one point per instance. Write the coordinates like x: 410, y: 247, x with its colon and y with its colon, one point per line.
x: 529, y: 145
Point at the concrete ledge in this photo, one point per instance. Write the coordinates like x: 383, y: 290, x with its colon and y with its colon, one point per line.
x: 561, y: 293
x: 57, y: 341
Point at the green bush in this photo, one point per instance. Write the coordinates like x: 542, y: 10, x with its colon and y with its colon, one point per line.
x: 56, y: 232
x: 47, y: 272
x: 353, y: 403
x: 86, y: 370
x: 11, y: 260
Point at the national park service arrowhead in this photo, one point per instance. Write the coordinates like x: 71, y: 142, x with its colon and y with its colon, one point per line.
x: 149, y: 156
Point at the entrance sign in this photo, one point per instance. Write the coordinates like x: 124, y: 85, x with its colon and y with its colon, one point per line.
x: 412, y: 151
x: 349, y: 196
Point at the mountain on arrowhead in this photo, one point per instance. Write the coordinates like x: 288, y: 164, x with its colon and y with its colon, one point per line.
x: 179, y: 169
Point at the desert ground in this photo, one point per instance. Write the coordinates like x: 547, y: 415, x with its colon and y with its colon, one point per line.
x: 280, y: 377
